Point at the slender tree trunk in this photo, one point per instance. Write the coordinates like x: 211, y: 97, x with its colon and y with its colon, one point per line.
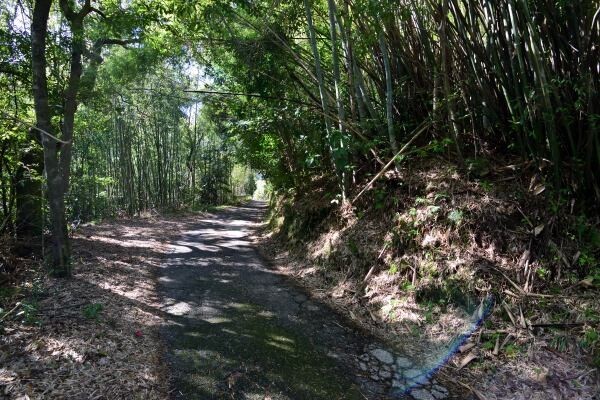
x: 448, y: 96
x: 389, y: 92
x: 341, y: 154
x: 60, y: 251
x: 323, y: 93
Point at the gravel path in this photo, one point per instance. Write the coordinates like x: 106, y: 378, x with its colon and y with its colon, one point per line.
x: 238, y: 330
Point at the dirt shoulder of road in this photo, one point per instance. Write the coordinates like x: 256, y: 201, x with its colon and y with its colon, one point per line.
x: 94, y: 336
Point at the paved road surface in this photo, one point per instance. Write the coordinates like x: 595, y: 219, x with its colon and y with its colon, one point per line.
x: 240, y: 331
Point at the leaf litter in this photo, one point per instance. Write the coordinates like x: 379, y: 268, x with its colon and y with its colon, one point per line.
x: 373, y: 266
x: 95, y: 336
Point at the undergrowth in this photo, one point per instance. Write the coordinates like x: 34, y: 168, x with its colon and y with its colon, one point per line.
x: 439, y: 237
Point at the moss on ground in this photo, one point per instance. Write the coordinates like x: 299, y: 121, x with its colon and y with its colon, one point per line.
x: 245, y: 353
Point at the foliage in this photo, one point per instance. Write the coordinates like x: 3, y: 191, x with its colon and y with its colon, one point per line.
x: 92, y: 311
x: 183, y: 104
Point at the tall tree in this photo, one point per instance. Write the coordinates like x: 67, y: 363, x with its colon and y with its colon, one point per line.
x: 58, y: 151
x: 60, y: 252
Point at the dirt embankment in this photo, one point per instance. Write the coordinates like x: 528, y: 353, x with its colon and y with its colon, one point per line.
x: 427, y: 240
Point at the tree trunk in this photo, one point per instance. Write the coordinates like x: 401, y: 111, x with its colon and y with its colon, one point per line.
x: 322, y: 92
x: 446, y: 62
x: 389, y: 92
x: 341, y: 153
x: 28, y: 196
x: 60, y: 249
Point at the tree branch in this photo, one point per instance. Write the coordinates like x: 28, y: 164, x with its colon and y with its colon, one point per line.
x: 250, y: 95
x: 112, y: 41
x: 67, y: 9
x: 100, y: 13
x: 73, y: 17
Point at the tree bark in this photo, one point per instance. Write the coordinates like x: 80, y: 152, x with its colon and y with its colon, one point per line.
x: 28, y: 196
x: 60, y: 249
x: 57, y: 153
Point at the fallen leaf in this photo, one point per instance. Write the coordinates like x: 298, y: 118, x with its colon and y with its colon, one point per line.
x: 467, y: 359
x: 538, y: 229
x: 466, y: 347
x: 539, y: 189
x: 587, y: 282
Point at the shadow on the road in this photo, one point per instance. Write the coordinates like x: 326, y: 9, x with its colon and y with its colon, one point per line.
x: 233, y: 328
x: 237, y: 330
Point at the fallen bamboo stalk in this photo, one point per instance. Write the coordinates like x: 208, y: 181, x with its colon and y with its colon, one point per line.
x: 11, y: 311
x: 418, y: 131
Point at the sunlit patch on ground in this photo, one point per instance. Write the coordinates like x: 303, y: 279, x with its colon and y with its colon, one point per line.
x: 95, y: 336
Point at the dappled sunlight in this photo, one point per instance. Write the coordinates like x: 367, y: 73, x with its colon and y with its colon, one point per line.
x: 177, y: 249
x: 232, y: 223
x: 279, y: 338
x: 217, y: 320
x: 229, y: 331
x: 235, y: 244
x: 80, y: 349
x: 215, y: 233
x: 180, y: 308
x: 240, y: 313
x: 428, y: 171
x: 280, y: 346
x: 188, y: 247
x: 145, y: 244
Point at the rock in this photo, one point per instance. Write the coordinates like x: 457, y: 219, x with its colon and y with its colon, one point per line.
x: 403, y: 362
x: 397, y: 383
x: 364, y: 357
x: 421, y: 394
x: 385, y: 374
x: 362, y: 366
x: 412, y: 373
x: 375, y: 377
x: 383, y: 356
x: 310, y: 306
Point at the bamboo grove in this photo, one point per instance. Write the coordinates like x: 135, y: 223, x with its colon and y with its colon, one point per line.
x: 509, y: 77
x: 294, y: 90
x: 150, y: 150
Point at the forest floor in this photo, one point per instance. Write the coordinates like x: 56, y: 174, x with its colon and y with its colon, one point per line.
x: 184, y: 307
x: 94, y: 336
